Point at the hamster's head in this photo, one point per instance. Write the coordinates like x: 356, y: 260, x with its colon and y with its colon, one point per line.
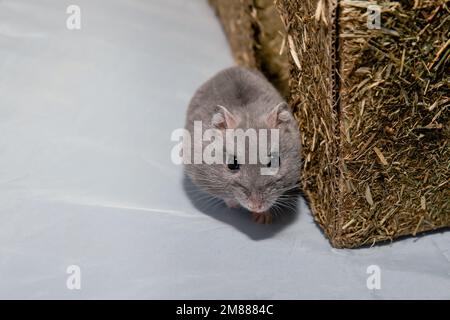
x: 263, y: 183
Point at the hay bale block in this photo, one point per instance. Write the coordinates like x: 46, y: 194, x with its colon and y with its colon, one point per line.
x: 372, y: 103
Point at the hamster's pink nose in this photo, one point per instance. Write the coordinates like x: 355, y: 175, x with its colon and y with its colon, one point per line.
x: 255, y: 204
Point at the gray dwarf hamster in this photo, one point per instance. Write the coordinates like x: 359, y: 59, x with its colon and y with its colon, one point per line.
x: 241, y: 98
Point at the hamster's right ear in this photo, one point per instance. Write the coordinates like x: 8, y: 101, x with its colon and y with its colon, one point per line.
x: 278, y: 115
x: 224, y: 119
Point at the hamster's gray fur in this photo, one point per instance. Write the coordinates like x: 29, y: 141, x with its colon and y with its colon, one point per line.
x: 238, y: 97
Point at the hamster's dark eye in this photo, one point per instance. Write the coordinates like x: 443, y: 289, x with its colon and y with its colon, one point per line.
x: 233, y: 166
x: 273, y: 159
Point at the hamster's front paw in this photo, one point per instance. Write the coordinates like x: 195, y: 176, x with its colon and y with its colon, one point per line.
x: 262, y: 217
x: 231, y: 203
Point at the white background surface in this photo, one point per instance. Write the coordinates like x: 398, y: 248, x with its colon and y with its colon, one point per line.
x: 86, y: 177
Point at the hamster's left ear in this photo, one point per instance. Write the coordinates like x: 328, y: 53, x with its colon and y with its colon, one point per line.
x: 224, y: 119
x: 278, y: 115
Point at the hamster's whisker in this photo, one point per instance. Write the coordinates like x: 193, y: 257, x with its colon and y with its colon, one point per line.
x: 210, y: 186
x: 278, y: 211
x: 201, y: 196
x: 291, y: 208
x: 212, y: 202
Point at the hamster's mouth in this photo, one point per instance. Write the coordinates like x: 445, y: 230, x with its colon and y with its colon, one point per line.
x: 257, y: 209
